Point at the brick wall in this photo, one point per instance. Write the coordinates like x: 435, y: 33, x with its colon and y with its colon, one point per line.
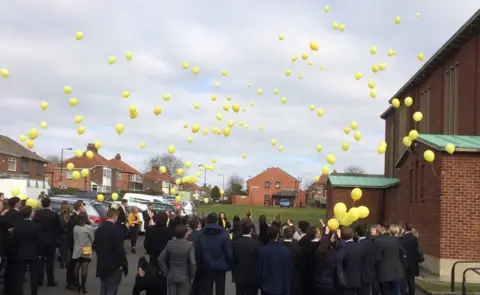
x: 36, y: 169
x: 459, y: 209
x: 371, y: 198
x: 242, y: 200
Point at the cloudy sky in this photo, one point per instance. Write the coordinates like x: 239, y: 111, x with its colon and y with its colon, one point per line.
x: 39, y: 49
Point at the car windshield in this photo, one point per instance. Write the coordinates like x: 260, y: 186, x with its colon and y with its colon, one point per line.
x: 163, y: 207
x: 102, y: 209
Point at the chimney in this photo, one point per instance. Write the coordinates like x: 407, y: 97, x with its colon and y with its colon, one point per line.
x: 91, y: 147
x: 155, y: 167
x: 118, y: 157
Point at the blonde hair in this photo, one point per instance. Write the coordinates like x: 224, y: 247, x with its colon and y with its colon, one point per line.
x: 415, y: 233
x: 394, y: 230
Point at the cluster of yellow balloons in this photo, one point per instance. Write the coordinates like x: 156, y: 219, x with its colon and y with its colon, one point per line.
x: 32, y: 202
x: 101, y: 197
x: 346, y: 217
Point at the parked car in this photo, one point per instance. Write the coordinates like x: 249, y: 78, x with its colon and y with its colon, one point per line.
x: 189, y: 208
x: 96, y: 211
x: 31, y: 188
x: 285, y: 203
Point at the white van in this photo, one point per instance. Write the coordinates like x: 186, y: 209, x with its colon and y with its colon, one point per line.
x: 143, y: 199
x: 32, y: 188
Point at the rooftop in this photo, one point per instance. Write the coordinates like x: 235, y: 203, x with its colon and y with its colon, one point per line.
x: 12, y: 148
x: 463, y: 143
x: 376, y: 182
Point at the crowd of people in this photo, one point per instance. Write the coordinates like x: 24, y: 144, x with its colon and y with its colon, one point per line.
x: 191, y: 256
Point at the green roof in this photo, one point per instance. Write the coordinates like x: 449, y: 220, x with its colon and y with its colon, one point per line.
x: 463, y: 143
x: 362, y: 181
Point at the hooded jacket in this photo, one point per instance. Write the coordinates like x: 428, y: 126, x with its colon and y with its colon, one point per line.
x: 214, y: 249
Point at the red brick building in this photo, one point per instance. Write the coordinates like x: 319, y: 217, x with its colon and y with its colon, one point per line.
x: 18, y: 161
x: 159, y: 182
x: 440, y: 198
x: 268, y: 187
x: 102, y: 177
x: 128, y: 178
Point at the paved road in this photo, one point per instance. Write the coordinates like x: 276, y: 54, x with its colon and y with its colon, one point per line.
x: 93, y: 283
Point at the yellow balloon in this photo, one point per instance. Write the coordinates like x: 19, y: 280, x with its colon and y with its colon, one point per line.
x: 75, y: 175
x: 346, y: 130
x: 333, y: 224
x: 357, y: 135
x: 32, y: 203
x: 358, y: 75
x: 236, y: 108
x: 128, y: 55
x: 226, y: 131
x: 222, y: 192
x: 172, y: 190
x: 43, y: 105
x: 142, y: 144
x: 205, y: 200
x: 413, y: 134
x: 67, y: 89
x: 100, y: 198
x: 450, y: 148
x: 420, y: 56
x: 190, y: 139
x: 85, y: 172
x: 70, y: 166
x: 356, y: 194
x: 417, y: 116
x: 429, y: 156
x: 273, y: 142
x: 15, y: 191
x: 313, y: 46
x: 111, y: 60
x: 4, y: 73
x: 178, y: 181
x: 395, y: 103
x: 89, y: 154
x: 171, y: 149
x: 373, y: 50
x: 157, y: 110
x: 81, y: 130
x: 363, y: 212
x: 163, y: 169
x: 340, y: 210
x: 33, y: 133
x: 22, y: 197
x: 244, y: 156
x: 166, y: 97
x: 345, y: 146
x: 304, y: 56
x: 325, y: 170
x: 178, y: 198
x: 381, y: 149
x: 180, y: 171
x: 319, y: 148
x: 331, y: 159
x: 29, y: 144
x: 373, y: 93
x: 119, y: 128
x: 408, y: 101
x: 397, y: 20
x: 196, y: 71
x: 195, y: 128
x: 114, y: 196
x: 407, y: 141
x: 375, y: 68
x: 23, y: 138
x: 354, y: 125
x: 78, y: 119
x: 353, y: 214
x: 43, y: 124
x: 320, y: 112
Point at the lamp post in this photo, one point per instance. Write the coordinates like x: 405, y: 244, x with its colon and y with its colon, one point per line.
x: 61, y: 164
x: 223, y: 181
x: 205, y: 177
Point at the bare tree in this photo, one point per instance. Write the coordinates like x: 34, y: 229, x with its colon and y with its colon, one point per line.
x: 354, y: 170
x: 55, y: 160
x: 235, y: 184
x: 171, y: 162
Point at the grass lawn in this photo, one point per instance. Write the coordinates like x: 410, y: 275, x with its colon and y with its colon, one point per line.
x: 308, y: 214
x: 445, y: 287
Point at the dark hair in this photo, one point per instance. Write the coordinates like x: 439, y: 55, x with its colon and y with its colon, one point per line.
x: 236, y: 219
x: 247, y: 226
x: 262, y: 219
x: 149, y: 204
x: 277, y: 218
x: 124, y: 201
x: 361, y: 230
x: 180, y: 231
x: 346, y: 233
x: 161, y: 219
x: 194, y: 222
x: 211, y: 218
x: 277, y: 223
x: 303, y: 226
x: 26, y: 211
x: 78, y: 204
x: 272, y: 233
x: 408, y: 226
x: 1, y: 194
x: 82, y: 218
x: 224, y: 216
x: 111, y: 212
x: 311, y: 232
x: 324, y: 247
x: 288, y: 232
x: 12, y: 202
x: 46, y: 202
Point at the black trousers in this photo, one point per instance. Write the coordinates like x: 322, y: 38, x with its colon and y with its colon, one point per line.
x: 10, y: 276
x: 207, y: 279
x: 71, y: 280
x: 47, y: 262
x: 134, y: 235
x: 151, y: 287
x: 410, y: 280
x: 246, y: 289
x: 20, y: 275
x: 386, y: 288
x: 365, y: 289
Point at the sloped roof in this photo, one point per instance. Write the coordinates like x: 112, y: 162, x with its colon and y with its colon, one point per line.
x: 191, y: 186
x: 154, y: 175
x: 123, y: 167
x: 462, y: 143
x: 378, y: 182
x: 84, y: 162
x: 275, y: 169
x: 12, y: 148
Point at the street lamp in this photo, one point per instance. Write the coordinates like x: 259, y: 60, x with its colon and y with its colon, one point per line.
x: 61, y: 164
x: 205, y: 177
x: 223, y: 181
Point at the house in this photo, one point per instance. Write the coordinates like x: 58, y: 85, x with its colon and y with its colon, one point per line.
x: 128, y: 178
x: 102, y: 176
x: 193, y: 188
x: 18, y: 161
x: 269, y: 187
x: 439, y: 198
x: 315, y: 193
x: 159, y: 182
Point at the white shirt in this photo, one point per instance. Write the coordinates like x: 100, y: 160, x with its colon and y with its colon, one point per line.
x: 288, y: 240
x: 247, y: 236
x: 361, y: 238
x: 297, y: 236
x: 349, y: 241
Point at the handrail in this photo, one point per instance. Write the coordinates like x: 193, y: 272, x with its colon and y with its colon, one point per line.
x: 464, y: 277
x: 452, y: 276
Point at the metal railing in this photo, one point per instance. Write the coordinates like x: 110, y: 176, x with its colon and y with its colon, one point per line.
x: 452, y: 274
x: 464, y: 277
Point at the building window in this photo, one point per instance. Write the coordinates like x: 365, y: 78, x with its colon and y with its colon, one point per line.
x: 394, y: 200
x: 69, y: 175
x: 390, y: 153
x: 12, y: 164
x: 411, y: 183
x: 267, y: 197
x: 401, y: 123
x: 25, y: 166
x: 417, y: 183
x: 107, y: 173
x: 450, y: 100
x: 136, y: 178
x: 424, y: 126
x: 277, y: 184
x: 94, y: 187
x: 39, y: 168
x: 267, y: 184
x: 422, y: 179
x: 119, y: 175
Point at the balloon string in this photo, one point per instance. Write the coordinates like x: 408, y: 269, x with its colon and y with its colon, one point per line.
x: 433, y: 171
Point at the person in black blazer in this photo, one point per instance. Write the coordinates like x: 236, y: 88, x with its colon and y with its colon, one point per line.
x: 413, y: 257
x: 111, y: 256
x: 297, y: 260
x: 72, y: 222
x: 196, y: 229
x: 263, y: 227
x: 388, y: 258
x: 50, y: 228
x: 10, y: 218
x: 223, y: 221
x: 157, y: 237
x: 309, y: 244
x: 368, y: 261
x: 149, y: 215
x: 122, y: 217
x: 236, y: 230
x: 245, y: 255
x: 351, y: 262
x: 26, y: 237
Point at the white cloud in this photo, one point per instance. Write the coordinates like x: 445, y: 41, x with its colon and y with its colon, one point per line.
x: 39, y: 49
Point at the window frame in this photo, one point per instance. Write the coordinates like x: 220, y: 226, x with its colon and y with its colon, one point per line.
x: 25, y: 166
x: 277, y: 184
x: 13, y: 161
x: 450, y: 100
x: 267, y: 184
